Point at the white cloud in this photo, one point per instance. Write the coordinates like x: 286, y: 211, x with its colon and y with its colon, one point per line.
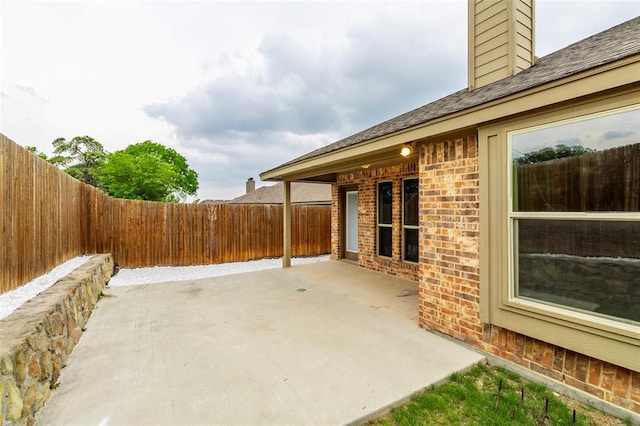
x: 242, y: 86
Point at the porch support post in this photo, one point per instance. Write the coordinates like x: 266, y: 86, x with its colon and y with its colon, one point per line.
x: 286, y: 225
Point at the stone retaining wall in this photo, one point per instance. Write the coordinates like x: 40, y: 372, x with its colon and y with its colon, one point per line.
x: 37, y: 339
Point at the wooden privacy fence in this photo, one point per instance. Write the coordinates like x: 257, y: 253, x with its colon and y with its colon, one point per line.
x: 48, y: 217
x: 603, y: 181
x: 143, y: 233
x: 43, y: 222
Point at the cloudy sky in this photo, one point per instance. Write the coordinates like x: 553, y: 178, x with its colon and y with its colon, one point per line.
x: 240, y: 87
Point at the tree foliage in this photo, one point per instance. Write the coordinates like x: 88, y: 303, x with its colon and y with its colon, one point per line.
x: 552, y: 153
x: 80, y: 157
x: 34, y: 150
x: 148, y: 171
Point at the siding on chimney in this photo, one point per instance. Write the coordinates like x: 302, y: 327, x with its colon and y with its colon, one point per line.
x: 501, y: 39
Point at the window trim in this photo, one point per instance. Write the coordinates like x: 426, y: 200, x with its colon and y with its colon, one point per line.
x: 404, y: 226
x: 608, y: 340
x: 383, y: 225
x: 514, y: 216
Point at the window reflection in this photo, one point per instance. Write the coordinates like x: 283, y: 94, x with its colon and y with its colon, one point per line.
x: 584, y: 166
x: 385, y: 219
x: 588, y: 263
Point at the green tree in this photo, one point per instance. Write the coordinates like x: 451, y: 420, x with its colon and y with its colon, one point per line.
x: 34, y: 151
x: 148, y: 171
x: 552, y: 153
x: 80, y: 157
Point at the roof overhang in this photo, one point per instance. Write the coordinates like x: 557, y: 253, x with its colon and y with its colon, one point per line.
x: 385, y: 149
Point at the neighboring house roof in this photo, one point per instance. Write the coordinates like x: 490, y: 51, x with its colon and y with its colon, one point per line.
x: 213, y: 201
x: 301, y: 193
x: 606, y: 47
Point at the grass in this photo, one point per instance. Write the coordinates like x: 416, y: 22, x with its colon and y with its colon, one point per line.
x: 487, y: 395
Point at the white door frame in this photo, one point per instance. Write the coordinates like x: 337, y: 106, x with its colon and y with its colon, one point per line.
x: 351, y: 223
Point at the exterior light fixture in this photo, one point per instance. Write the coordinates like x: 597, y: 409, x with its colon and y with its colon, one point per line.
x: 406, y: 150
x: 366, y: 166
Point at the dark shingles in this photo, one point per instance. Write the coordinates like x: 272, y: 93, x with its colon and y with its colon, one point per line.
x: 608, y: 46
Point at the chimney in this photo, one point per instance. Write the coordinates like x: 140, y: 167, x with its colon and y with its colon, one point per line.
x: 251, y: 185
x: 501, y: 37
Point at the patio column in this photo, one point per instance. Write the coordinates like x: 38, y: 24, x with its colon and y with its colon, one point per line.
x: 286, y: 225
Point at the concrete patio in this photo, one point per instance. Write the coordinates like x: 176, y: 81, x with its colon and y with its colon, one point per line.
x: 321, y: 344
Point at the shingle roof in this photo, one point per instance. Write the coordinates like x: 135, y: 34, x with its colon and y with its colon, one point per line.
x: 608, y: 46
x: 303, y: 193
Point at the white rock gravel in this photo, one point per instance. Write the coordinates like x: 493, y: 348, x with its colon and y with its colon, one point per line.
x: 158, y: 274
x: 11, y: 300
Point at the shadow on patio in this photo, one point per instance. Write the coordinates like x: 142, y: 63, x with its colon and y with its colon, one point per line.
x: 325, y: 343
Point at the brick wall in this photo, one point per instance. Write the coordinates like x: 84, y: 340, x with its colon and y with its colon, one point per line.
x: 449, y: 269
x: 604, y: 380
x: 449, y: 294
x: 449, y: 239
x: 365, y: 181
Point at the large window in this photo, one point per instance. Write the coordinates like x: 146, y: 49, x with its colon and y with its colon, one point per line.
x: 385, y: 219
x: 410, y: 220
x: 574, y: 214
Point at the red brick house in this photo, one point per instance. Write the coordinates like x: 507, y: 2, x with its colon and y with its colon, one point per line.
x: 515, y: 204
